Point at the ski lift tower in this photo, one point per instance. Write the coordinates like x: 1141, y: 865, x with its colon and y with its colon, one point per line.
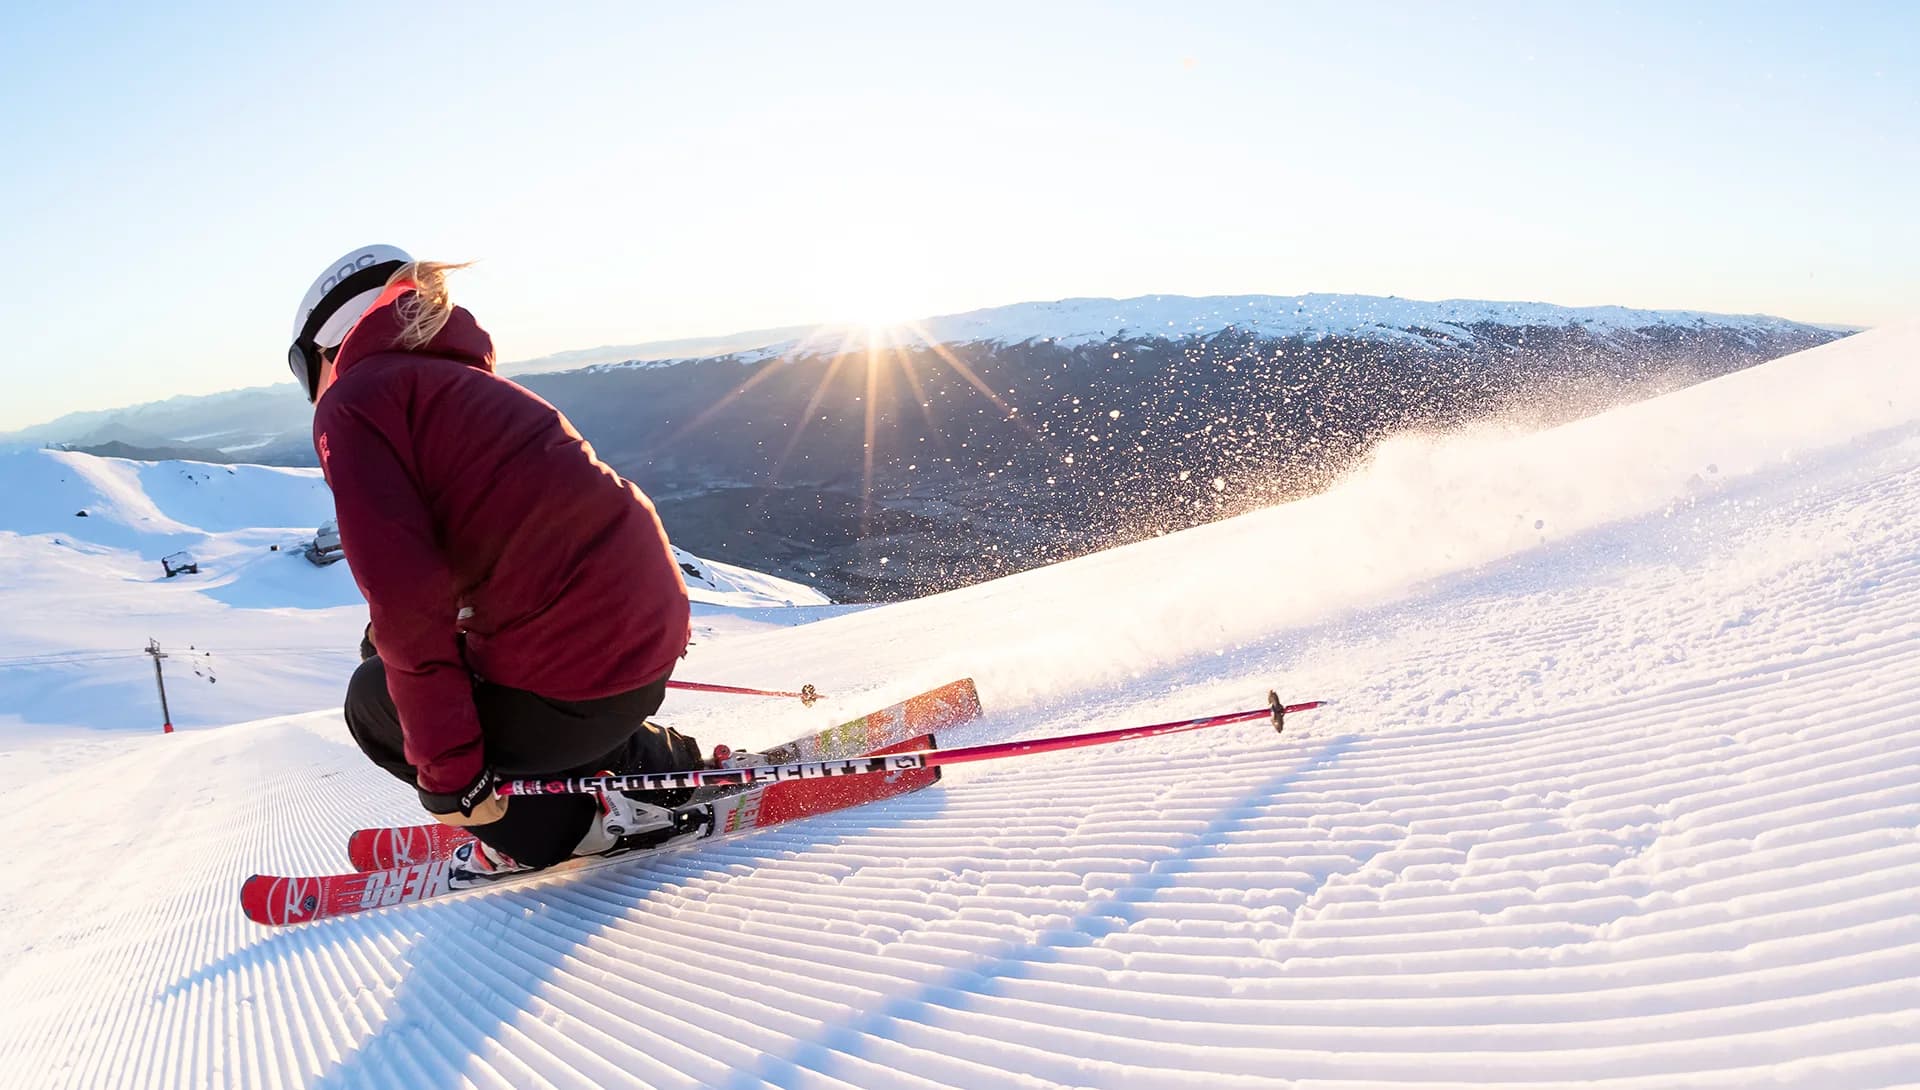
x: 166, y: 717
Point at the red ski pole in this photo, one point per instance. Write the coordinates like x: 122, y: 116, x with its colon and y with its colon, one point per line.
x: 1275, y: 711
x: 806, y: 695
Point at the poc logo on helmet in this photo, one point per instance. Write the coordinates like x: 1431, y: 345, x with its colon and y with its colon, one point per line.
x: 345, y: 271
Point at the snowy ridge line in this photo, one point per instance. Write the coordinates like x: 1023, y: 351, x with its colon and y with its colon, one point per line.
x: 1081, y: 322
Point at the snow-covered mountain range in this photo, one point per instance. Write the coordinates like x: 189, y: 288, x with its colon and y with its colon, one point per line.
x: 880, y: 464
x: 1620, y: 787
x: 890, y: 463
x: 1067, y: 322
x: 1079, y: 322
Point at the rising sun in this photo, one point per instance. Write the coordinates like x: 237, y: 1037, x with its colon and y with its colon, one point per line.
x: 889, y: 352
x: 873, y: 307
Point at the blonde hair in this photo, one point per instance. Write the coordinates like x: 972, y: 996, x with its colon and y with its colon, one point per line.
x: 425, y: 312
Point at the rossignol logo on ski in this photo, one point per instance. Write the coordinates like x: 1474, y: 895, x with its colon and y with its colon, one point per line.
x: 402, y: 846
x: 297, y: 897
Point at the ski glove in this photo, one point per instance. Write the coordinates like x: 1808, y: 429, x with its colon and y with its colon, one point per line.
x: 475, y: 804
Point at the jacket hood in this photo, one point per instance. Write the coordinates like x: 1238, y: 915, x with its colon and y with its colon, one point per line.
x: 377, y: 333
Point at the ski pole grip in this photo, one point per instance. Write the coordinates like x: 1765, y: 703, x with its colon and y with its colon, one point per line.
x: 1279, y: 711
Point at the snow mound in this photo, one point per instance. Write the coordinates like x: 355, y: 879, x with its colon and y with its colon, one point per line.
x: 712, y: 583
x: 152, y: 508
x: 256, y: 631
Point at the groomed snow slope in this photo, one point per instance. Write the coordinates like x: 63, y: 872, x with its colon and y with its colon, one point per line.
x: 1622, y: 788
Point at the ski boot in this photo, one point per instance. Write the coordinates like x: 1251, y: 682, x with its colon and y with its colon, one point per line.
x: 725, y: 756
x: 625, y: 822
x: 473, y: 864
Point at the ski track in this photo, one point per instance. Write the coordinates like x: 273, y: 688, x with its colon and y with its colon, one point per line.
x: 1641, y: 809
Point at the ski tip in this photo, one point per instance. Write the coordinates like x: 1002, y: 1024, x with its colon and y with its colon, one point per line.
x: 360, y: 850
x: 277, y: 899
x: 253, y: 897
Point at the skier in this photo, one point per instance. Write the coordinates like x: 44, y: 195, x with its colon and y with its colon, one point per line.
x: 526, y: 609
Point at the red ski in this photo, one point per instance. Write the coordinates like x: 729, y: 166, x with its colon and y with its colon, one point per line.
x: 936, y: 710
x: 277, y: 899
x: 401, y: 845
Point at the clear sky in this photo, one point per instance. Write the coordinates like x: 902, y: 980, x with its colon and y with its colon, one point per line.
x: 174, y: 175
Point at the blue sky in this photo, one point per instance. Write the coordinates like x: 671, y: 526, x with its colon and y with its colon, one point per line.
x: 629, y: 172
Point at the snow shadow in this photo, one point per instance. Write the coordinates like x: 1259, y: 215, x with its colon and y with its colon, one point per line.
x: 808, y: 1059
x: 473, y: 966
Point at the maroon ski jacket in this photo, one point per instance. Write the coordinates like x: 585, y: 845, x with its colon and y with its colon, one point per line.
x: 472, y: 513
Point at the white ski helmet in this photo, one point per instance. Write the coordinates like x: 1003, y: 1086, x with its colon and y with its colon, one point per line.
x: 335, y: 301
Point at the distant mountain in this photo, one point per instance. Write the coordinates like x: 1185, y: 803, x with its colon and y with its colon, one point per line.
x: 890, y: 463
x: 689, y: 348
x: 1080, y: 322
x: 266, y: 425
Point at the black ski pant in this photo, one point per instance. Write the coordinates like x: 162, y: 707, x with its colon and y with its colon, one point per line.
x: 529, y: 735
